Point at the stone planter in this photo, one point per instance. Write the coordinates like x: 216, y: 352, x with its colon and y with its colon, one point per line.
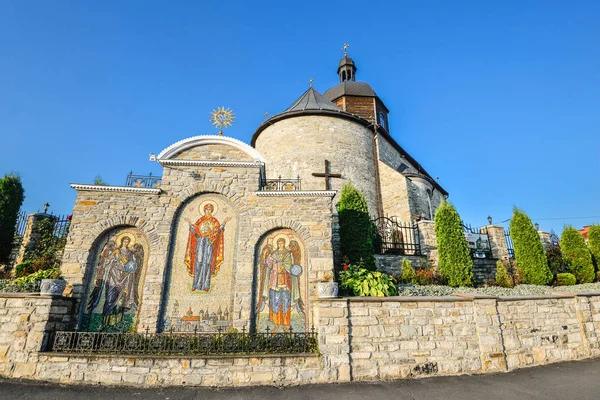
x: 327, y: 289
x: 53, y: 287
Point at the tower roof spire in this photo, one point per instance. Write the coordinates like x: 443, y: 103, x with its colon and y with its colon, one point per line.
x: 346, y: 68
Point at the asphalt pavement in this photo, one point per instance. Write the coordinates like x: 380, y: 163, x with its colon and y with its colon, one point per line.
x: 574, y: 380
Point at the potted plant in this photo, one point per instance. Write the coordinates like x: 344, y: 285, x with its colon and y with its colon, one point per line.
x: 52, y: 283
x: 327, y: 288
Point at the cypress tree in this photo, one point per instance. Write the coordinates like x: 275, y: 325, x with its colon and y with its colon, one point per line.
x: 529, y: 250
x: 594, y: 243
x: 11, y: 198
x: 573, y: 245
x: 355, y: 228
x: 456, y: 265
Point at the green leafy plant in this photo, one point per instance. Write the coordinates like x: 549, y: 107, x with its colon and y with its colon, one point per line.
x: 356, y: 228
x: 502, y: 277
x: 594, y: 244
x: 53, y: 273
x: 573, y: 246
x: 11, y: 198
x: 47, y: 252
x: 455, y: 263
x: 25, y: 268
x: 408, y: 272
x: 363, y: 282
x: 565, y: 279
x: 99, y: 181
x: 529, y: 250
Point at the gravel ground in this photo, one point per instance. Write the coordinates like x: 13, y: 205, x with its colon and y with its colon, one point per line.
x: 519, y: 290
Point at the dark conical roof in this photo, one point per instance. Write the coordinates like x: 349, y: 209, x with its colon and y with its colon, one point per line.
x: 312, y: 100
x: 361, y: 89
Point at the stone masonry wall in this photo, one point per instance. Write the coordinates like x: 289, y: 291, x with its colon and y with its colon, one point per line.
x: 360, y: 339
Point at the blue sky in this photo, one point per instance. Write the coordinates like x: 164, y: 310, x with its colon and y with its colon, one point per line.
x: 500, y: 100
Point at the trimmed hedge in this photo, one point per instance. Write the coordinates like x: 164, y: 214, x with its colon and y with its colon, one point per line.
x: 573, y: 245
x: 529, y: 250
x: 565, y: 279
x: 355, y: 228
x: 455, y: 263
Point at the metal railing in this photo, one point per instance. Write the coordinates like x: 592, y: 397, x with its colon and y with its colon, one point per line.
x: 280, y: 184
x: 510, y: 247
x: 184, y: 343
x: 143, y: 181
x: 393, y: 237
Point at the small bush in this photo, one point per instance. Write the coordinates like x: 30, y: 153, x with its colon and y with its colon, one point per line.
x: 408, y: 272
x: 24, y: 269
x: 573, y: 246
x: 502, y: 277
x: 363, y: 282
x: 425, y: 276
x: 565, y: 279
x: 557, y: 262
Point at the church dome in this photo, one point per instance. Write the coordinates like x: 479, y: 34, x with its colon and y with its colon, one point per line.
x: 349, y: 88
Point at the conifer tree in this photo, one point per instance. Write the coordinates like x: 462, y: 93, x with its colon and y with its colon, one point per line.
x: 529, y: 250
x: 594, y: 244
x: 11, y: 198
x: 355, y: 228
x: 456, y: 265
x: 408, y: 272
x: 573, y: 245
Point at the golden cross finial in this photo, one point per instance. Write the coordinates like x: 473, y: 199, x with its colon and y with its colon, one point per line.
x: 346, y: 45
x: 222, y: 118
x: 310, y: 81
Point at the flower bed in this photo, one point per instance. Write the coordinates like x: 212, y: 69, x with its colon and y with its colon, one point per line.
x: 519, y: 290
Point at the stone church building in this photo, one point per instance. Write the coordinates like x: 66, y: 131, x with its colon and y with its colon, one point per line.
x: 244, y: 228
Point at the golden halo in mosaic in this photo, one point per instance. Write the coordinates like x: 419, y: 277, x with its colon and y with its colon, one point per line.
x: 205, y: 203
x: 281, y: 236
x: 222, y: 118
x: 125, y: 235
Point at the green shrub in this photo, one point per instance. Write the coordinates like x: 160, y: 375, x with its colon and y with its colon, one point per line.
x: 455, y: 263
x: 557, y: 262
x: 24, y: 269
x: 11, y: 198
x: 53, y: 273
x: 408, y: 272
x: 356, y: 228
x: 594, y: 244
x: 565, y: 279
x: 502, y: 277
x: 529, y: 250
x: 363, y: 282
x: 573, y: 245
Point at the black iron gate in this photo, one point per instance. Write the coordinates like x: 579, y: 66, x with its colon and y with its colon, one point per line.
x: 393, y: 237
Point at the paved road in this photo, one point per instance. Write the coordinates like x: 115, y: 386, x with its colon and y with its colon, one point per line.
x: 580, y: 380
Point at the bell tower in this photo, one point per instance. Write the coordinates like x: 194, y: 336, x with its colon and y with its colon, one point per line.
x: 346, y: 69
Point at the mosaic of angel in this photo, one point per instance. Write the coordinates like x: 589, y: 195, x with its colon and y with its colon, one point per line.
x: 204, y: 253
x: 117, y: 277
x: 280, y: 271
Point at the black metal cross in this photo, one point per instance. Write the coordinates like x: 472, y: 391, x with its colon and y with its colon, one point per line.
x: 327, y: 175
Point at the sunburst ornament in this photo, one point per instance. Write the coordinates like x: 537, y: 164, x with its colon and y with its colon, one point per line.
x: 222, y: 118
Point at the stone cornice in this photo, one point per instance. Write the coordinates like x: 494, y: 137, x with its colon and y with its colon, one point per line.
x: 297, y: 193
x: 200, y: 140
x: 207, y: 163
x: 124, y: 189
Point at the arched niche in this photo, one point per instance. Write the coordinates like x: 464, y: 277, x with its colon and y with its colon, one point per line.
x: 113, y: 294
x: 199, y: 287
x: 281, y: 289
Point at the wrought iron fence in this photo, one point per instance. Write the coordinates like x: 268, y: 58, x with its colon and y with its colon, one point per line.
x: 61, y: 226
x: 143, y: 181
x: 510, y: 247
x: 9, y: 286
x: 280, y: 184
x: 185, y: 343
x: 478, y: 241
x: 21, y: 223
x: 393, y: 237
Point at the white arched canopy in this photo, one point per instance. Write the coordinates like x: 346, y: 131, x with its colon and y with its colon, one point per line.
x: 201, y: 140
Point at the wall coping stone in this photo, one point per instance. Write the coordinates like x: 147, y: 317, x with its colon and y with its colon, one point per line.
x: 475, y: 296
x: 33, y: 296
x: 175, y: 356
x: 299, y: 193
x: 103, y: 188
x: 587, y: 294
x: 536, y: 297
x: 210, y: 163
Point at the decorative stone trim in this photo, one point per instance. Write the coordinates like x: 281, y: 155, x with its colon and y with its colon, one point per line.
x: 204, y: 163
x: 126, y: 189
x: 299, y: 193
x: 200, y: 140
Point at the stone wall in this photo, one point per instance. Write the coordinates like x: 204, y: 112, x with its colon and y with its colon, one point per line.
x: 360, y: 339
